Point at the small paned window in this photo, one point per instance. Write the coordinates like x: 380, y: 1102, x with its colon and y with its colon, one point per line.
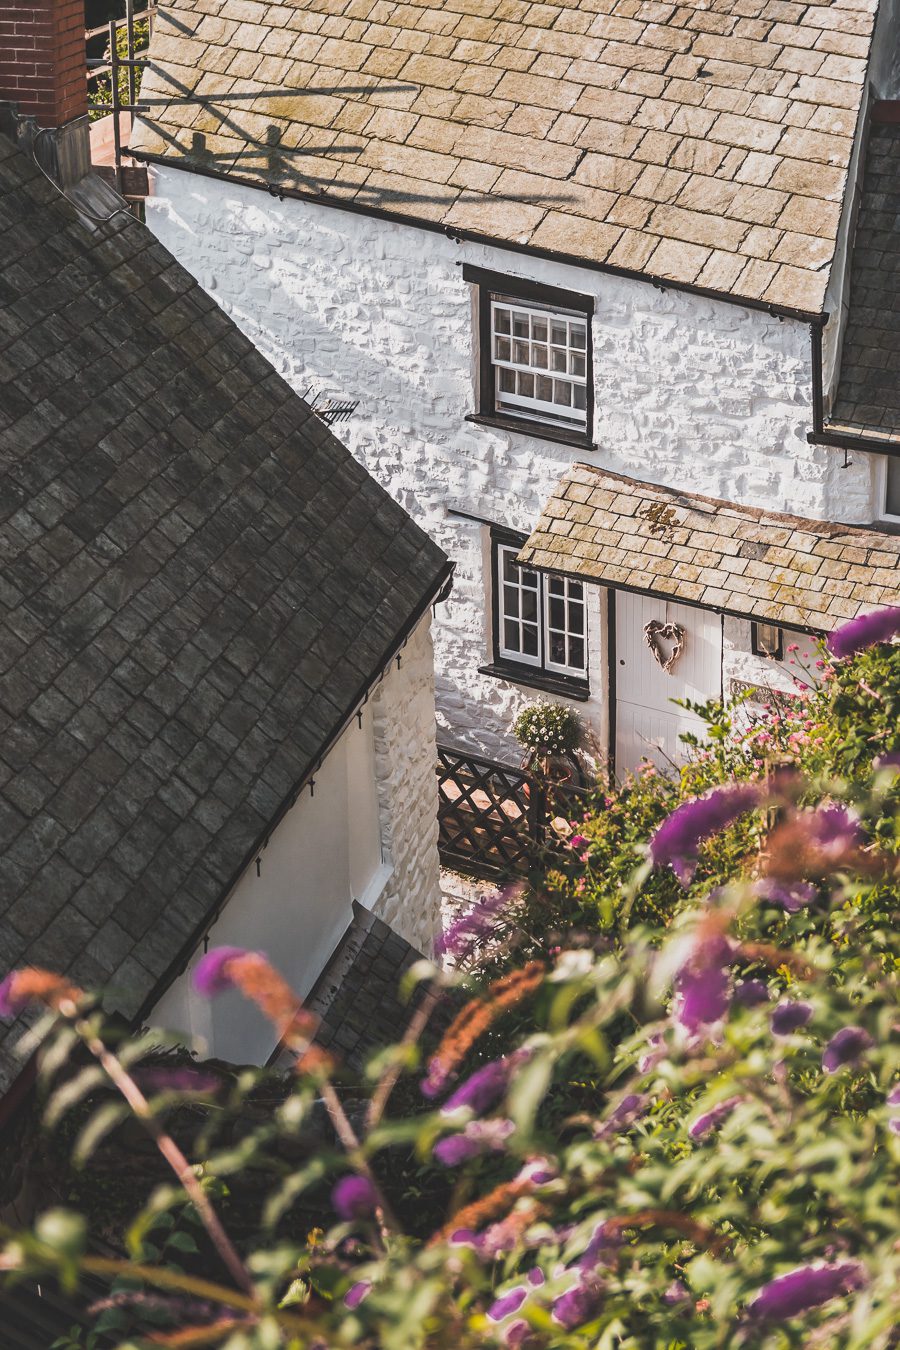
x: 540, y: 361
x: 534, y: 357
x: 767, y: 640
x: 540, y: 622
x: 890, y: 491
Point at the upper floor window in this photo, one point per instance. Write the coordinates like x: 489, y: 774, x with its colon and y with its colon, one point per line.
x: 766, y: 639
x: 889, y: 491
x: 534, y: 357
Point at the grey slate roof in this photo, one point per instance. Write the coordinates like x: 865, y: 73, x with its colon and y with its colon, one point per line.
x: 868, y: 396
x: 197, y: 584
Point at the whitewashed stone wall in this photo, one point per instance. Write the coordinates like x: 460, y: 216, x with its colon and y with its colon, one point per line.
x: 689, y: 392
x: 405, y: 758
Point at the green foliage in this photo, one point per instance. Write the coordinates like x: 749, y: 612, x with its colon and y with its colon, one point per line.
x: 640, y: 1174
x: 100, y: 98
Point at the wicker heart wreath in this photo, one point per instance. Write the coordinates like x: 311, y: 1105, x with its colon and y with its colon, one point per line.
x: 655, y: 633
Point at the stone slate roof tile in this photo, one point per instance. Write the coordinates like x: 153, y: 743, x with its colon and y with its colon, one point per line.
x: 196, y: 582
x: 695, y: 143
x: 757, y: 564
x: 868, y: 395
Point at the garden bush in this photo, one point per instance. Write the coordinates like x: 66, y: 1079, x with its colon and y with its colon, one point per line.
x: 666, y: 1112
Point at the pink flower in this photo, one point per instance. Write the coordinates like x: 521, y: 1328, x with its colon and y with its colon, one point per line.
x: 354, y: 1197
x: 578, y: 841
x: 864, y: 631
x: 211, y: 972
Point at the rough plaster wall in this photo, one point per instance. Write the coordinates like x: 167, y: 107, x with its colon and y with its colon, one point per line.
x: 403, y: 713
x: 688, y: 392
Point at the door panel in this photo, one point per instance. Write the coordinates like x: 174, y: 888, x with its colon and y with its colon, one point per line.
x: 647, y: 722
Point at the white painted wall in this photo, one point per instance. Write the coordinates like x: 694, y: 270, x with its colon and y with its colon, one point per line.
x: 367, y: 831
x: 689, y: 392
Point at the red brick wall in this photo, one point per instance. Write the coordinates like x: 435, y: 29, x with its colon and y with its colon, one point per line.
x: 42, y: 62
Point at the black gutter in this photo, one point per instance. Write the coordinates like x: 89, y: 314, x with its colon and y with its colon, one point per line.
x: 848, y: 441
x: 435, y: 594
x: 818, y: 396
x: 471, y: 236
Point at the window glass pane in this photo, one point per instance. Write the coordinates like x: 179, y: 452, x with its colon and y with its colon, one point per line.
x: 562, y: 393
x: 892, y: 487
x: 511, y: 602
x: 579, y: 396
x: 556, y: 585
x: 529, y: 578
x: 557, y: 612
x: 510, y: 571
x: 507, y: 380
x: 576, y: 653
x: 511, y: 635
x: 578, y: 335
x: 558, y: 649
x: 576, y: 590
x: 558, y: 359
x: 501, y: 320
x: 529, y: 606
x: 539, y: 356
x: 576, y: 364
x: 559, y: 333
x: 529, y: 640
x: 526, y: 385
x: 520, y: 353
x: 576, y: 618
x: 544, y: 388
x: 538, y: 328
x: 521, y: 326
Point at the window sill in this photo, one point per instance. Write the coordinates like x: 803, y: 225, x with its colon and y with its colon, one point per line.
x: 578, y: 690
x: 542, y: 431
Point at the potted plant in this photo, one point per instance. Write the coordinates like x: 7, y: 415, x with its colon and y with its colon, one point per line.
x: 549, y: 732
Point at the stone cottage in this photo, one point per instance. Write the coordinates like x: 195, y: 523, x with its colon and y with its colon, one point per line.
x: 217, y: 691
x: 618, y: 233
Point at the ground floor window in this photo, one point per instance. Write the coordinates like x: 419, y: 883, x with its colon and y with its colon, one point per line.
x: 539, y: 621
x: 890, y: 488
x: 766, y: 639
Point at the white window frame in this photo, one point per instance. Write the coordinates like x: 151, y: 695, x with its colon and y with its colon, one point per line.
x: 531, y: 407
x: 541, y: 661
x: 883, y: 470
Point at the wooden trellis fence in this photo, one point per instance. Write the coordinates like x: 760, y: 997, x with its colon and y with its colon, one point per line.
x: 493, y: 818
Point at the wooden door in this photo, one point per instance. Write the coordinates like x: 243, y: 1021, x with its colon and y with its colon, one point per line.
x: 648, y: 724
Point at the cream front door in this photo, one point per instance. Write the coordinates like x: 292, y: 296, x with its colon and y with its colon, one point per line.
x: 648, y: 724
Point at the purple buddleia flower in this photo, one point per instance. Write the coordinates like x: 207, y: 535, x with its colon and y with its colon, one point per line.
x: 478, y: 1137
x: 864, y: 631
x: 356, y: 1293
x: 516, y: 1334
x: 713, y: 1118
x: 834, y: 830
x: 791, y: 895
x: 464, y: 1237
x: 184, y: 1079
x: 679, y: 836
x: 656, y: 1050
x: 845, y: 1047
x: 893, y: 1101
x: 211, y: 974
x: 889, y: 761
x: 537, y: 1172
x: 354, y: 1197
x: 703, y: 984
x: 751, y: 992
x: 482, y: 1089
x: 627, y: 1111
x: 789, y: 1017
x: 578, y: 1305
x: 602, y: 1248
x: 676, y: 1294
x: 508, y: 1303
x: 460, y: 936
x: 804, y: 1288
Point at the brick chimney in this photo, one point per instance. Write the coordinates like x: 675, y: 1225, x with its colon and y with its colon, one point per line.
x: 43, y: 82
x: 42, y: 60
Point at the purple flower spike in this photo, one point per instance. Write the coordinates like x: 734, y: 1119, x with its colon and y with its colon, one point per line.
x: 507, y: 1305
x: 211, y: 975
x: 791, y: 895
x: 602, y: 1248
x: 478, y: 1137
x: 712, y: 1119
x: 484, y: 1087
x: 176, y: 1080
x: 804, y: 1288
x: 623, y: 1115
x: 516, y: 1334
x: 679, y: 836
x: 751, y: 992
x: 675, y: 1294
x: 703, y: 985
x: 354, y: 1198
x: 789, y: 1017
x: 845, y: 1047
x: 834, y: 829
x: 9, y: 1004
x: 356, y: 1293
x: 463, y: 933
x: 864, y: 631
x: 577, y: 1306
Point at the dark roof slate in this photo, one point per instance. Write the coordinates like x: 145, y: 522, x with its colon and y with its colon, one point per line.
x: 197, y: 582
x: 868, y: 396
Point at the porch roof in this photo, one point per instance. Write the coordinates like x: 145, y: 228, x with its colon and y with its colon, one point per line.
x: 618, y: 531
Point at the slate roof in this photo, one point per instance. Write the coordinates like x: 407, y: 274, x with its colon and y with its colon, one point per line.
x: 758, y: 564
x: 868, y: 396
x: 706, y: 143
x: 198, y: 583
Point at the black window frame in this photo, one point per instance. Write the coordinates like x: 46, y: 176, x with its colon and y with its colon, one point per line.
x: 756, y: 646
x: 498, y: 284
x: 534, y: 676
